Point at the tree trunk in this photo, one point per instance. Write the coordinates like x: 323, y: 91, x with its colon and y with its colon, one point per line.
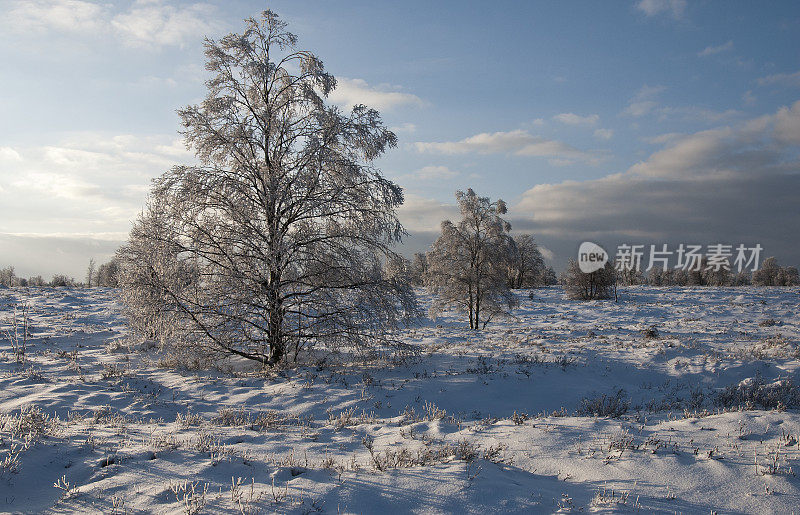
x: 471, y: 309
x: 275, y: 335
x: 477, y: 306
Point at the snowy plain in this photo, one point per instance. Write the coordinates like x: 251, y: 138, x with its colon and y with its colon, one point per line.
x: 701, y: 384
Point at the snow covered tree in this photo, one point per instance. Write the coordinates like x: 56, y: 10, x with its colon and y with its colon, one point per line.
x: 107, y: 273
x: 630, y: 276
x: 397, y: 268
x: 525, y: 262
x: 580, y: 285
x: 277, y: 238
x: 467, y: 264
x: 741, y: 279
x: 772, y: 274
x: 548, y: 277
x: 8, y: 277
x: 788, y: 276
x: 90, y: 271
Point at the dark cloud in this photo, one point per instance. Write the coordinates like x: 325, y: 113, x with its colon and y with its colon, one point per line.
x: 731, y: 185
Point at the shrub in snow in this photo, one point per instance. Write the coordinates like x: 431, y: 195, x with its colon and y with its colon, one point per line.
x: 107, y: 274
x: 604, y: 405
x: 651, y: 333
x: 754, y: 392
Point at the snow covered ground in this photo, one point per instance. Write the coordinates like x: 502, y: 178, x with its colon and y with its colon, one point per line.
x: 700, y: 385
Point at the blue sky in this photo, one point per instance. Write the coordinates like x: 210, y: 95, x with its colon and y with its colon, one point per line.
x: 641, y: 121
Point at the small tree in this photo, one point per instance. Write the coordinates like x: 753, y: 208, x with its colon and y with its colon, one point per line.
x: 7, y: 277
x: 658, y: 276
x: 579, y: 285
x: 467, y: 264
x: 278, y: 238
x: 397, y: 268
x: 36, y: 281
x: 525, y: 262
x: 720, y: 277
x: 107, y: 274
x: 90, y: 273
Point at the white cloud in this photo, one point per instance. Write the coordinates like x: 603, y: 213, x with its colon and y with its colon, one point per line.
x: 645, y: 102
x: 61, y: 15
x: 669, y: 137
x: 674, y: 8
x: 575, y: 119
x: 640, y: 108
x: 350, y: 92
x: 603, y: 134
x: 517, y: 142
x: 420, y: 214
x: 787, y: 124
x: 696, y: 113
x: 409, y: 128
x: 8, y: 154
x: 713, y: 50
x: 152, y: 23
x: 57, y: 185
x: 787, y: 79
x: 430, y: 173
x: 85, y: 180
x: 145, y: 23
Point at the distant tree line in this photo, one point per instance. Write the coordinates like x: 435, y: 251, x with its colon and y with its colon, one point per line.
x: 602, y: 283
x: 106, y: 275
x: 770, y: 273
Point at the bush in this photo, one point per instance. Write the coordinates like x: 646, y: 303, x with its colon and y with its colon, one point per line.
x: 754, y: 392
x: 62, y: 280
x: 613, y: 406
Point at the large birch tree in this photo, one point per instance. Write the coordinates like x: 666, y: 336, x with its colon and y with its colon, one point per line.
x: 276, y: 239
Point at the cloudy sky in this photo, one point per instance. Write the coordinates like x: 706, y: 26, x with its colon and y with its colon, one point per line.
x: 652, y: 121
